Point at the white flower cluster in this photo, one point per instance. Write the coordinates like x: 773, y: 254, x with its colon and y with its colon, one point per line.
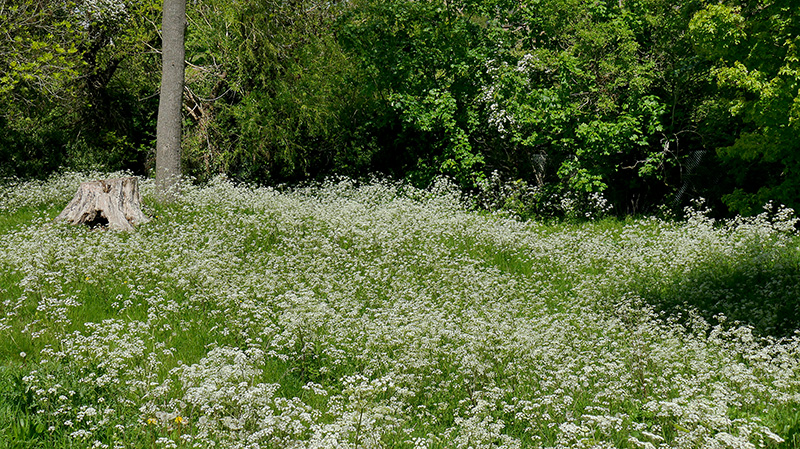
x: 101, y: 11
x: 519, y: 198
x: 499, y: 117
x: 378, y: 315
x: 507, y: 81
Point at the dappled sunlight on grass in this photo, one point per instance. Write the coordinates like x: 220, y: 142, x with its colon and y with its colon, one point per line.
x: 760, y: 290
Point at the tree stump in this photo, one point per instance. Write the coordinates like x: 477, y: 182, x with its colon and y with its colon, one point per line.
x: 112, y: 202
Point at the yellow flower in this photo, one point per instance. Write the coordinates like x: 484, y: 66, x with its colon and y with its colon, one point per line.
x: 178, y: 420
x: 151, y: 421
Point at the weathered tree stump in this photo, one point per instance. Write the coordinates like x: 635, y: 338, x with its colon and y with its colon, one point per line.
x: 112, y: 202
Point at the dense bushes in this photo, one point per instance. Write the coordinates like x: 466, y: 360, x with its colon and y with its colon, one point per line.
x: 77, y: 85
x: 647, y: 102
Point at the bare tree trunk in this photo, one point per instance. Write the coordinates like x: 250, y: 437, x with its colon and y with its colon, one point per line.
x: 168, y: 128
x: 112, y: 202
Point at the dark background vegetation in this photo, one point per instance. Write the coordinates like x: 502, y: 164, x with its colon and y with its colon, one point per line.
x: 649, y: 102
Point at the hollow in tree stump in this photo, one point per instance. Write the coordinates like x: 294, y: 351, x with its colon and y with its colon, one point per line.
x: 112, y: 202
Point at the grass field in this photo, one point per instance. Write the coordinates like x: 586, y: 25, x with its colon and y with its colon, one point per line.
x: 374, y: 315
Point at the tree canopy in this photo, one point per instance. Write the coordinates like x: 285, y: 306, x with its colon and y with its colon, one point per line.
x: 646, y: 102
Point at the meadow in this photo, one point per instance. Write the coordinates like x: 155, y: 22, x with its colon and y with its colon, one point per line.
x: 377, y: 315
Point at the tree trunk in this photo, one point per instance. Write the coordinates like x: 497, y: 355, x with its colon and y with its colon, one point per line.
x: 112, y: 202
x: 168, y: 127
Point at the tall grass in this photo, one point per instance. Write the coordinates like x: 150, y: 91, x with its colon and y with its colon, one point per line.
x: 377, y: 315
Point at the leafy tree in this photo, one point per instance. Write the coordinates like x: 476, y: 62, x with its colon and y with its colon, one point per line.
x: 38, y: 57
x: 421, y: 71
x: 40, y: 47
x: 645, y: 101
x: 754, y: 49
x: 584, y: 91
x: 74, y: 76
x: 583, y: 96
x: 112, y: 123
x: 266, y: 89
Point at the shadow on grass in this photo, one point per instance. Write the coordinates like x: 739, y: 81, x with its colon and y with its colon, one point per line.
x: 760, y: 288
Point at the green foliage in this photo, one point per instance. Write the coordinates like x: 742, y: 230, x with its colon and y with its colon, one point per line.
x: 730, y: 286
x: 40, y: 47
x: 524, y: 201
x: 649, y: 102
x: 38, y: 57
x: 754, y: 48
x: 76, y: 79
x: 577, y: 91
x: 562, y: 93
x: 266, y: 89
x: 421, y: 64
